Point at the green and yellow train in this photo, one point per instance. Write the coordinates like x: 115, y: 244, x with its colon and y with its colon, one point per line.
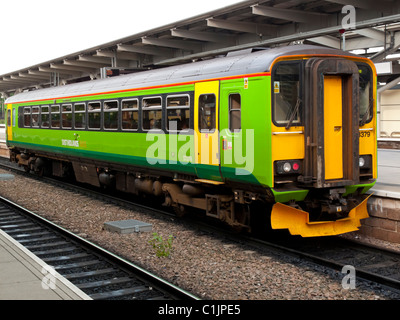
x: 283, y: 138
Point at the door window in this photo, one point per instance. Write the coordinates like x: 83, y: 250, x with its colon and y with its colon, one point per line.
x: 235, y: 113
x: 207, y: 106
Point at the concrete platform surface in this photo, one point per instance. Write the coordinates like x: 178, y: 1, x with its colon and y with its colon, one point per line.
x: 2, y: 132
x: 388, y: 182
x: 23, y: 276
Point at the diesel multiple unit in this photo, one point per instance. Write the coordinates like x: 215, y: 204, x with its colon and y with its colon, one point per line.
x: 283, y: 138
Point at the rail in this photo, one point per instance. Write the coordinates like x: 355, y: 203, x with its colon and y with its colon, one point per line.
x: 96, y: 271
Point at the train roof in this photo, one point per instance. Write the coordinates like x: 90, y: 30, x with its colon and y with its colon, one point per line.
x: 231, y: 65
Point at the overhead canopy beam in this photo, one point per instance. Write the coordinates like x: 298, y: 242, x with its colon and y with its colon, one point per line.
x: 44, y: 74
x: 12, y: 79
x: 394, y: 45
x: 204, y: 36
x: 84, y: 64
x: 248, y: 27
x: 120, y: 55
x: 287, y: 14
x: 59, y: 66
x: 153, y: 51
x: 94, y: 59
x: 326, y: 41
x: 29, y: 74
x: 365, y: 4
x: 68, y: 72
x: 351, y: 44
x: 178, y: 44
x: 372, y: 33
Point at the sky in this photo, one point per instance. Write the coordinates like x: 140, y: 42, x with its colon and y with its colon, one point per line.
x: 35, y: 31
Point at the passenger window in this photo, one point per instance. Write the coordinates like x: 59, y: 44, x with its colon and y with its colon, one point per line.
x: 94, y: 114
x: 55, y: 116
x: 152, y: 113
x: 45, y: 116
x: 130, y: 114
x: 111, y: 115
x: 80, y: 115
x: 207, y: 112
x: 27, y: 117
x: 286, y: 94
x: 178, y: 113
x: 235, y: 124
x: 67, y: 116
x: 35, y: 117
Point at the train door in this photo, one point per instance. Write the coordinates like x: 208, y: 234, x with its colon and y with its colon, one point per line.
x: 333, y: 133
x: 331, y: 122
x: 206, y: 126
x: 9, y: 122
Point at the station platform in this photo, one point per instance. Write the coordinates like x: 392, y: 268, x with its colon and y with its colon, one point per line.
x: 388, y: 182
x: 23, y: 276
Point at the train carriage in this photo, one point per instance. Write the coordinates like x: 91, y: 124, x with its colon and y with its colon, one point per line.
x: 283, y: 138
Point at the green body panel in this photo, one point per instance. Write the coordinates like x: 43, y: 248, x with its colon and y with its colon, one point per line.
x: 136, y: 149
x: 246, y: 155
x: 286, y: 196
x: 352, y: 189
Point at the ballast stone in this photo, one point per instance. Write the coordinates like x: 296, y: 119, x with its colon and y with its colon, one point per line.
x: 127, y: 226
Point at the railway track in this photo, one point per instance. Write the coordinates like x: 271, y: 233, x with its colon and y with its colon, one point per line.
x: 97, y: 272
x: 372, y: 263
x: 361, y: 261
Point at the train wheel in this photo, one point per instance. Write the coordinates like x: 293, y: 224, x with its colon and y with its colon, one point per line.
x: 180, y: 210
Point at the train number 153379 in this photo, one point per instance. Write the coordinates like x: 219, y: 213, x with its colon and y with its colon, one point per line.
x: 365, y: 134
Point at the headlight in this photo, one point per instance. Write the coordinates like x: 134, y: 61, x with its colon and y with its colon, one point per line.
x: 287, y: 167
x: 361, y: 162
x: 365, y: 161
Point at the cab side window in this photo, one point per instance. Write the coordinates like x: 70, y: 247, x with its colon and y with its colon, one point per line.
x: 287, y: 107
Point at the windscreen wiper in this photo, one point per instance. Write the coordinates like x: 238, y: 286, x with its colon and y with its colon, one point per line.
x: 293, y: 114
x: 367, y: 113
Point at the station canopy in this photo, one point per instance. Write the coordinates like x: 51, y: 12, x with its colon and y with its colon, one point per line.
x: 236, y: 28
